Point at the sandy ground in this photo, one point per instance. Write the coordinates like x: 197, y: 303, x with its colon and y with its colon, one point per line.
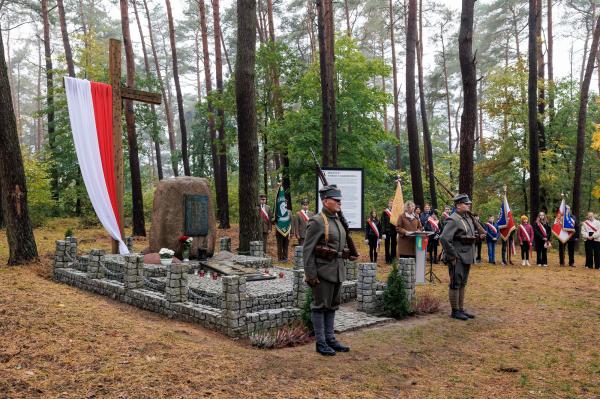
x: 537, y: 334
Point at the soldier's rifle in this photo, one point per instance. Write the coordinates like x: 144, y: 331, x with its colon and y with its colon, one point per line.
x: 349, y: 241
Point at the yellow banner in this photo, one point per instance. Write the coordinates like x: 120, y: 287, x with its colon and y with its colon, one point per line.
x: 398, y: 206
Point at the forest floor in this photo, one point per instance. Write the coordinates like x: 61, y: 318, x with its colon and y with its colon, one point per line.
x: 536, y: 335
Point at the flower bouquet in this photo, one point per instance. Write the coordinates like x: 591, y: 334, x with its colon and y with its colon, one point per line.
x: 166, y: 256
x: 186, y: 243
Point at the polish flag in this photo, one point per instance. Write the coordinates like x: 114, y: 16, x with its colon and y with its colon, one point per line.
x: 564, y: 225
x: 506, y: 223
x: 90, y: 112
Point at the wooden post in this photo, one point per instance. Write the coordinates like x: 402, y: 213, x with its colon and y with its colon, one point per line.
x: 114, y: 78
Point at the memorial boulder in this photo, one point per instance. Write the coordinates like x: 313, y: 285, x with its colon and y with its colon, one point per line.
x: 183, y: 206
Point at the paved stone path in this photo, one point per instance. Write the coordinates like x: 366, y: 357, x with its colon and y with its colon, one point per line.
x: 347, y: 319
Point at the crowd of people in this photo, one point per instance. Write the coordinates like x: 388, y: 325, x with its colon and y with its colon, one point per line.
x: 530, y: 237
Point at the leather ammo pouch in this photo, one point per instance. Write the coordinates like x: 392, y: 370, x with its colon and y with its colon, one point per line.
x: 326, y: 253
x: 468, y: 240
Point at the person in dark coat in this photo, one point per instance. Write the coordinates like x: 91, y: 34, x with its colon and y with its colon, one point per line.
x: 542, y: 235
x: 433, y: 224
x: 373, y: 235
x: 389, y: 231
x: 491, y: 238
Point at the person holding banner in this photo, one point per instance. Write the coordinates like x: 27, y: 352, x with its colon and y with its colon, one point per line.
x: 525, y: 235
x: 373, y: 235
x: 491, y: 238
x: 458, y: 240
x: 266, y: 218
x: 283, y: 225
x: 299, y: 222
x: 389, y: 232
x: 541, y: 233
x: 590, y: 233
x: 408, y: 222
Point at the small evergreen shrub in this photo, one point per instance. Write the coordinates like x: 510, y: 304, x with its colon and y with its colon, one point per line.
x: 69, y: 233
x: 395, y: 303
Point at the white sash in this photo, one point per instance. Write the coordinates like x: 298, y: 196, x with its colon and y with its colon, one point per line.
x: 303, y: 215
x: 264, y: 215
x: 591, y: 226
x: 434, y: 223
x: 373, y: 227
x: 525, y: 231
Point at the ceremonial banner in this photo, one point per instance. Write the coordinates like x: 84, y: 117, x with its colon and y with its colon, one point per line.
x: 282, y: 214
x: 564, y: 225
x: 398, y: 206
x: 506, y: 223
x: 90, y: 113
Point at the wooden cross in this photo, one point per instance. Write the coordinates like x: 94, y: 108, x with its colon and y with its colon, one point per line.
x: 118, y: 94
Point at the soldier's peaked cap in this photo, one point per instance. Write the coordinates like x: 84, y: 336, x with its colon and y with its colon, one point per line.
x: 462, y: 198
x: 330, y: 191
x: 304, y: 201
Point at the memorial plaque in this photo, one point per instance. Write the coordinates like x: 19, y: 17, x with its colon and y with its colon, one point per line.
x: 195, y: 215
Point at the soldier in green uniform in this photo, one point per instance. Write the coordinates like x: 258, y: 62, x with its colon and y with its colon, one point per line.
x: 324, y: 252
x: 266, y: 220
x: 458, y: 240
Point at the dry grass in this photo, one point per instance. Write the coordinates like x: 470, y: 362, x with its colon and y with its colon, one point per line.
x: 536, y: 335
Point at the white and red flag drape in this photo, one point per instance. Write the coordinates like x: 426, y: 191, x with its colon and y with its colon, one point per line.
x: 90, y: 112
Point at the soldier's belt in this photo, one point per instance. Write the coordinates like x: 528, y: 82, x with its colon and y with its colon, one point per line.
x: 326, y: 253
x: 468, y: 239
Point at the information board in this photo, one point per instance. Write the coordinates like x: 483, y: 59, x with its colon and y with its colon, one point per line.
x: 350, y: 181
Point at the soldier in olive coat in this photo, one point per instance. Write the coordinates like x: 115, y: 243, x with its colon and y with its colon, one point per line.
x: 266, y: 220
x: 324, y: 252
x: 300, y: 221
x: 458, y: 239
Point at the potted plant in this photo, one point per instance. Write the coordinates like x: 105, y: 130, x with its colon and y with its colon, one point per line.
x: 186, y: 242
x: 166, y: 256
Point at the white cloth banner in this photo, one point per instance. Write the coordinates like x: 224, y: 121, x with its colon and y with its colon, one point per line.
x: 85, y: 137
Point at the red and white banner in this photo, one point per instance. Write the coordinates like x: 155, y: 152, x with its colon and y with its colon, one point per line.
x: 90, y: 112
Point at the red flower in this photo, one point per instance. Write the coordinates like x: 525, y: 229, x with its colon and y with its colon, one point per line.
x: 281, y: 274
x: 183, y: 238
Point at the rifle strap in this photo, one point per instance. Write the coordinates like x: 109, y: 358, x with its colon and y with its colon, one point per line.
x: 326, y: 223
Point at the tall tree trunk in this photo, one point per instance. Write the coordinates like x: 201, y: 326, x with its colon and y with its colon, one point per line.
x: 383, y: 88
x: 534, y: 171
x: 515, y: 31
x: 182, y: 126
x: 411, y: 111
x: 65, y: 38
x: 13, y: 188
x: 50, y: 100
x: 155, y: 131
x: 550, y: 39
x: 310, y: 27
x: 426, y: 134
x: 347, y: 14
x: 208, y: 84
x: 468, y: 118
x: 245, y: 93
x: 166, y: 102
x: 448, y: 109
x: 326, y: 56
x: 581, y: 121
x: 540, y: 75
x: 139, y: 225
x: 38, y: 102
x: 223, y: 201
x: 278, y: 107
x: 399, y: 165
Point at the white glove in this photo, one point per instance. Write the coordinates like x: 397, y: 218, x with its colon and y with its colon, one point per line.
x: 366, y: 241
x: 384, y: 236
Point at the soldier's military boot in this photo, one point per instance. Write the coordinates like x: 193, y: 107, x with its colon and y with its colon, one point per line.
x: 457, y: 314
x: 469, y: 315
x: 325, y: 349
x: 333, y: 343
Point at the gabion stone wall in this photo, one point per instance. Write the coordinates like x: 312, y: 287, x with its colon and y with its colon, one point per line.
x: 406, y: 267
x: 225, y: 244
x: 366, y: 286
